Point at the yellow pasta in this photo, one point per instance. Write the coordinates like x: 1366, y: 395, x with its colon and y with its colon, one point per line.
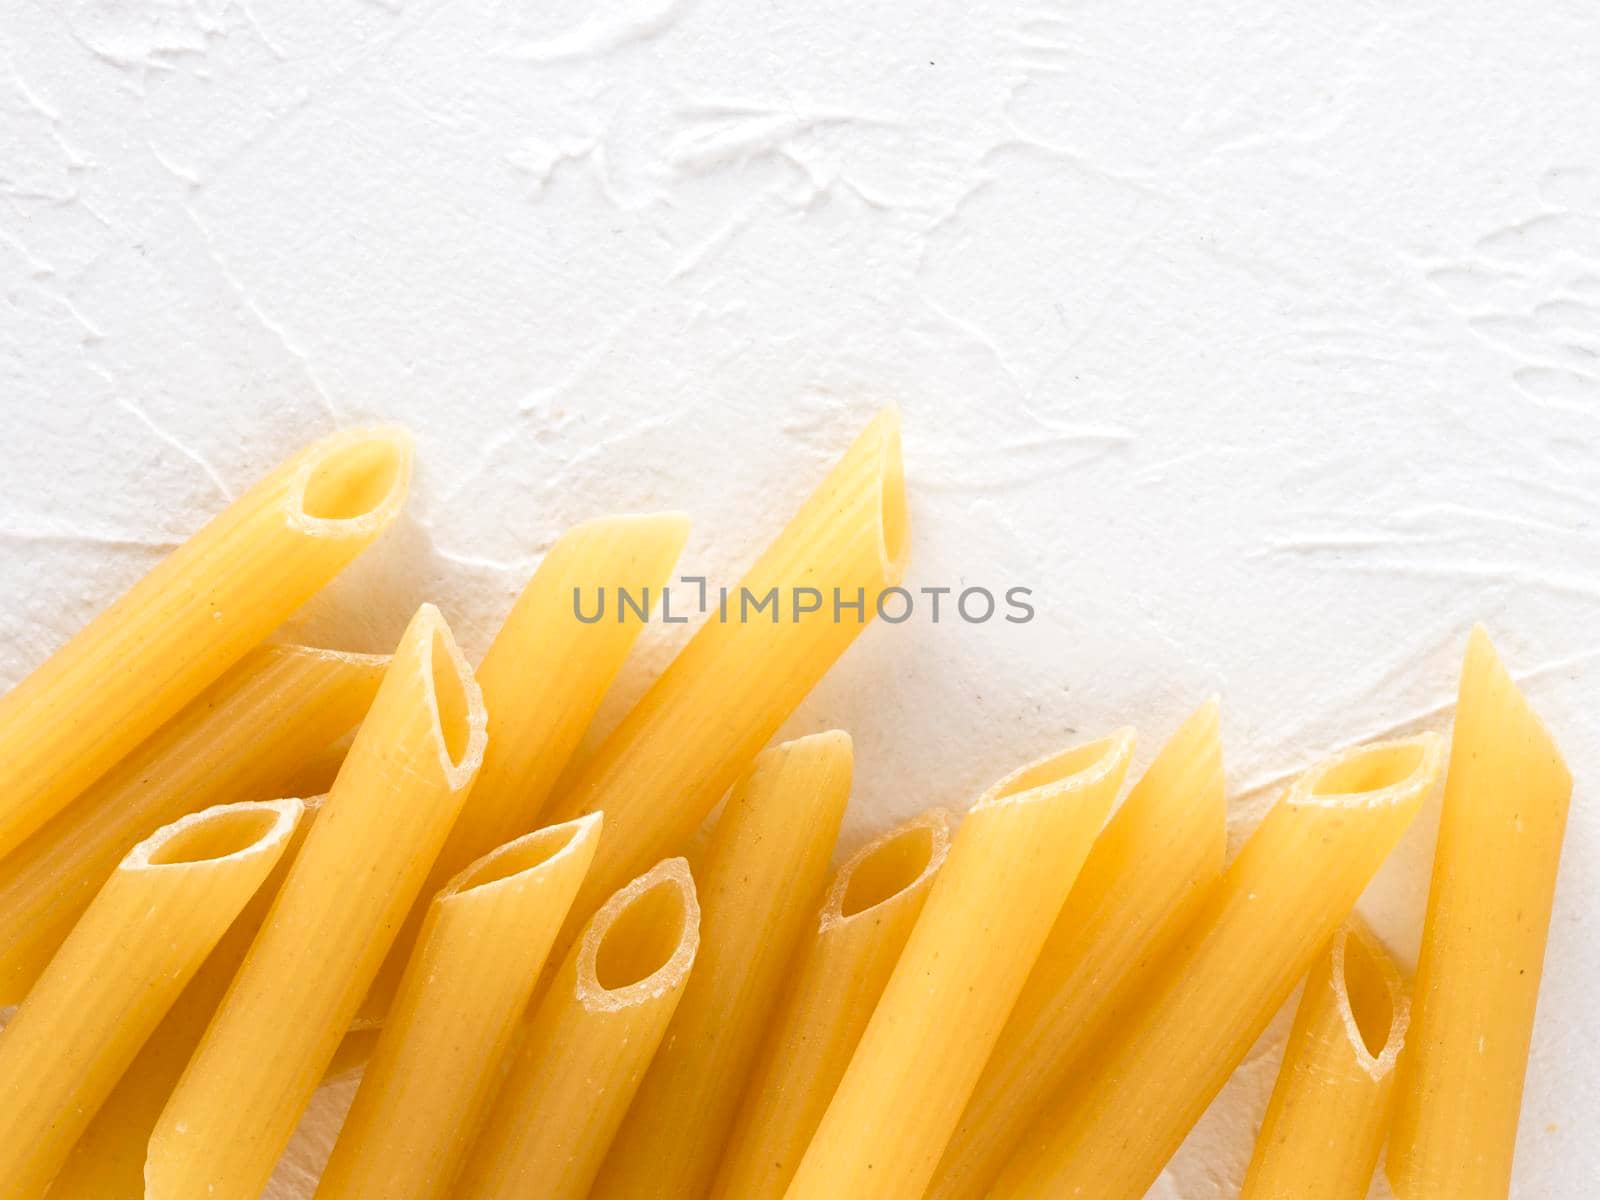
x: 1007, y: 875
x: 698, y: 727
x: 588, y: 1044
x: 466, y: 988
x: 353, y: 1054
x: 314, y: 774
x: 245, y: 737
x: 1140, y: 886
x: 1483, y: 943
x: 107, y: 1163
x: 1256, y: 934
x: 1330, y: 1109
x: 347, y: 892
x: 542, y: 679
x: 139, y: 943
x: 190, y: 619
x: 867, y: 916
x: 764, y: 871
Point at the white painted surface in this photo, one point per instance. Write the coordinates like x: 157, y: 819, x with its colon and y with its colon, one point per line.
x: 1260, y: 340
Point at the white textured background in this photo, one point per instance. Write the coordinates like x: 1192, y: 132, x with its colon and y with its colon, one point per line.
x: 1262, y: 340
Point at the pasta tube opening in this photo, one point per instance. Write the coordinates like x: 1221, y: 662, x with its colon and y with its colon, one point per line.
x: 888, y: 867
x: 525, y: 855
x: 894, y: 521
x: 215, y: 834
x: 1372, y: 1001
x: 1372, y: 775
x: 1072, y: 770
x: 354, y: 482
x: 643, y: 941
x: 460, y: 719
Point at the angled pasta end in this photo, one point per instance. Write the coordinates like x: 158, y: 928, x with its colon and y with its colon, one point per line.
x: 668, y: 529
x: 655, y: 540
x: 1479, y: 642
x: 1489, y: 694
x: 829, y: 744
x: 829, y: 755
x: 353, y: 484
x: 889, y: 868
x: 1184, y: 786
x: 1075, y: 769
x: 1379, y: 774
x: 1197, y: 744
x: 522, y: 859
x: 460, y: 720
x: 1371, y: 998
x: 223, y: 833
x: 1482, y: 668
x: 642, y: 942
x: 1204, y: 729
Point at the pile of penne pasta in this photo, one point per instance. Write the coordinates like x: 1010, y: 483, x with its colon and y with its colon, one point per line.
x: 557, y: 984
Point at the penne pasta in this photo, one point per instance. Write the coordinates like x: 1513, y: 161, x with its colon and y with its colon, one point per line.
x: 1140, y: 886
x: 1007, y: 875
x: 1330, y: 1109
x: 190, y: 619
x: 435, y: 1066
x: 867, y: 916
x: 138, y: 944
x: 1483, y: 943
x: 695, y: 731
x: 542, y: 680
x: 277, y: 1030
x: 107, y: 1163
x: 764, y: 869
x: 314, y: 774
x: 246, y: 736
x: 587, y: 1046
x: 1256, y: 934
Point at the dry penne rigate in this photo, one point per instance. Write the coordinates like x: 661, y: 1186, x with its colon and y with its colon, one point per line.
x: 231, y: 870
